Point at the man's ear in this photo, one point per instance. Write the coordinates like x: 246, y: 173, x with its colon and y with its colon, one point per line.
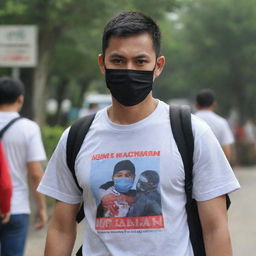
x: 159, y: 66
x: 214, y: 106
x: 101, y: 63
x: 19, y: 102
x: 197, y: 106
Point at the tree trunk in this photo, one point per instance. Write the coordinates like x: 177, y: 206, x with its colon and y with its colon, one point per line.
x: 61, y: 95
x: 26, y: 76
x: 40, y: 86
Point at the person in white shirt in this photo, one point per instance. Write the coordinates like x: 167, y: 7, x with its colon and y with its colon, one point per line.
x: 136, y: 127
x: 205, y: 105
x: 24, y: 150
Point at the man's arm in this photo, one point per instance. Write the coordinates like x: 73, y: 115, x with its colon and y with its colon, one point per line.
x: 62, y: 230
x: 227, y: 151
x: 213, y: 217
x: 35, y: 174
x: 5, y: 217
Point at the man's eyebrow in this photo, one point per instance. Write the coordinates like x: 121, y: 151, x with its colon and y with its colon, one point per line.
x: 141, y: 56
x: 115, y: 55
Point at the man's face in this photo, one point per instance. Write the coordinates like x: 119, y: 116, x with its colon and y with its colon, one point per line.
x: 133, y: 52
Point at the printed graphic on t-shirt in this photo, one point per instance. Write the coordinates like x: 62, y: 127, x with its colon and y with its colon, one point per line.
x: 126, y: 189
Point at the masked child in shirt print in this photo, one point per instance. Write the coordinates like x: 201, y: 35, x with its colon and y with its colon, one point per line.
x: 117, y: 195
x: 148, y: 200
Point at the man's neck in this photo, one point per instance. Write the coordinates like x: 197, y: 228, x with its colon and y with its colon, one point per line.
x: 9, y: 108
x: 208, y: 108
x: 128, y: 115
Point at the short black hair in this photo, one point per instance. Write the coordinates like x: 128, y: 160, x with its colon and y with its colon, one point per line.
x: 205, y: 98
x: 131, y: 23
x: 10, y: 90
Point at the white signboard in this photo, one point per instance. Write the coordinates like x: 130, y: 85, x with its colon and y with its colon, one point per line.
x: 18, y: 46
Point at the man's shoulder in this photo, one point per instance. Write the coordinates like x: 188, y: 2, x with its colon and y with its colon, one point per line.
x: 221, y: 122
x: 218, y: 116
x: 22, y: 125
x: 28, y: 125
x: 212, y: 118
x: 28, y: 121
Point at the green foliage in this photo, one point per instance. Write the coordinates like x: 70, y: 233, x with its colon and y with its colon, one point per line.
x: 12, y: 8
x: 70, y: 37
x: 209, y: 44
x: 51, y: 136
x: 213, y: 46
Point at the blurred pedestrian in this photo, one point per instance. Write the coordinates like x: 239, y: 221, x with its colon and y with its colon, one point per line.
x: 137, y: 125
x: 24, y: 150
x: 205, y: 105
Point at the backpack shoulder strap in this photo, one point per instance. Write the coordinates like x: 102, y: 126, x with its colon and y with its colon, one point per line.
x: 75, y: 140
x: 180, y: 118
x: 8, y: 126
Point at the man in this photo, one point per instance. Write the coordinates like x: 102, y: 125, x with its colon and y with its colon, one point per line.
x: 24, y: 150
x: 117, y: 195
x: 205, y: 104
x: 134, y: 126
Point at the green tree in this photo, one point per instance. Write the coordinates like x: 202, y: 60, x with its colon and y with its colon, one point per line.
x: 53, y: 18
x: 69, y: 37
x: 218, y: 51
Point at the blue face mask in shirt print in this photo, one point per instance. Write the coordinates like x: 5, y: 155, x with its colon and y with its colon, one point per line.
x: 123, y: 185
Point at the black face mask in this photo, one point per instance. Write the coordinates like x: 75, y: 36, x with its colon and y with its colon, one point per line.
x: 129, y: 87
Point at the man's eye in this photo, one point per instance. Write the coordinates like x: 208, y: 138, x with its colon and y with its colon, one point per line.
x: 117, y: 61
x: 141, y: 62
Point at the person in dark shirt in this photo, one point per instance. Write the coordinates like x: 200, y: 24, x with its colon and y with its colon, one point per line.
x: 148, y: 200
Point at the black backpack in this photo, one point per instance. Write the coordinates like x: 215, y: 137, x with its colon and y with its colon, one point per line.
x: 180, y: 121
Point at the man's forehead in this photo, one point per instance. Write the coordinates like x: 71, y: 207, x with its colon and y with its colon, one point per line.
x: 139, y: 44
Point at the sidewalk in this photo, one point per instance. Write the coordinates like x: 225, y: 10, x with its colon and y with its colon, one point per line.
x: 36, y: 240
x: 242, y: 213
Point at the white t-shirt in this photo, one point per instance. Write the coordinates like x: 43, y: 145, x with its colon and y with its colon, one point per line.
x: 218, y: 125
x: 22, y: 144
x: 149, y: 145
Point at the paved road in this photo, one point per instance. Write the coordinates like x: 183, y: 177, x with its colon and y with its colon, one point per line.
x: 242, y: 214
x: 36, y: 241
x: 242, y: 222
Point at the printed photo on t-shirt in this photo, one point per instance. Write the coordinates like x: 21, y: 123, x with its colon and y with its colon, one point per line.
x: 126, y: 190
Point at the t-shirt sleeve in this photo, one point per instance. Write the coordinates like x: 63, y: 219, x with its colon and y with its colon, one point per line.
x: 212, y: 173
x: 58, y: 181
x: 227, y: 136
x: 35, y: 147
